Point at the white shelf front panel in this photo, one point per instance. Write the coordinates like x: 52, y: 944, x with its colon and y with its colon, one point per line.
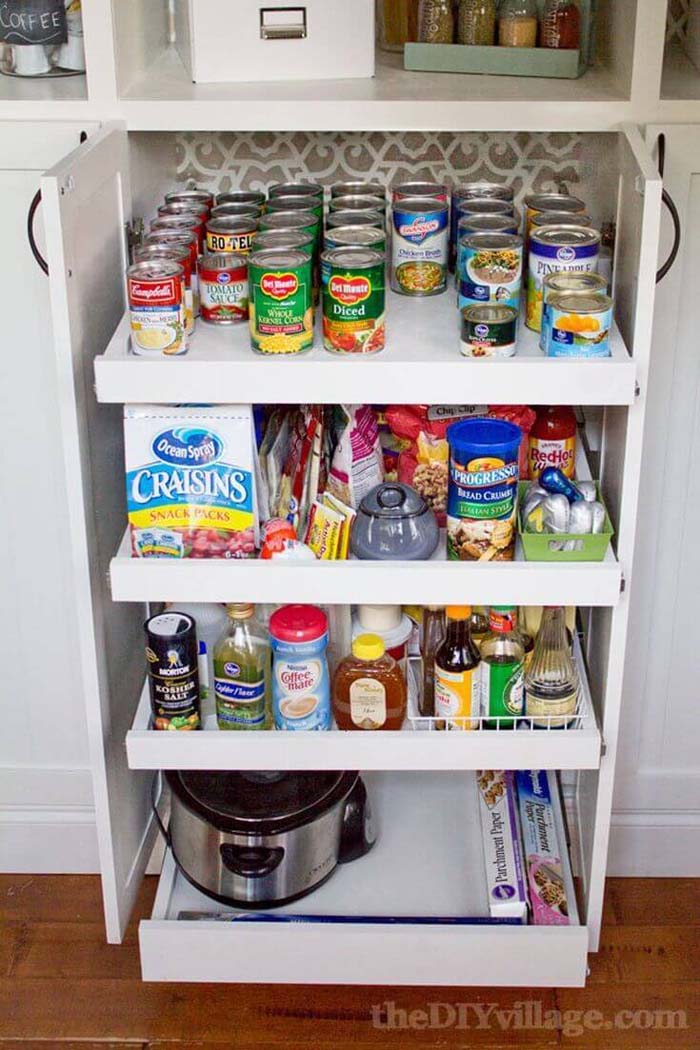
x: 436, y: 582
x: 411, y: 748
x: 421, y: 364
x: 427, y: 863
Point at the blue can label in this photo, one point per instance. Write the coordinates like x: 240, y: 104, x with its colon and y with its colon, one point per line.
x: 481, y: 509
x: 300, y: 686
x: 420, y: 245
x: 239, y: 704
x: 489, y: 275
x: 569, y: 334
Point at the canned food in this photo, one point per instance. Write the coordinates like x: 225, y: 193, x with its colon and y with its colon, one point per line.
x: 363, y: 189
x: 281, y: 301
x: 489, y: 331
x: 196, y: 196
x: 410, y: 190
x: 358, y: 202
x: 179, y: 223
x: 176, y: 238
x: 541, y: 202
x: 302, y: 204
x: 579, y: 325
x: 285, y: 239
x: 236, y: 208
x: 574, y: 283
x: 185, y: 208
x: 172, y: 657
x: 560, y: 218
x: 223, y: 284
x: 256, y: 197
x: 483, y: 206
x: 156, y: 308
x: 356, y: 237
x: 554, y: 249
x: 490, y: 269
x: 486, y: 224
x: 296, y: 189
x: 365, y: 217
x: 419, y: 246
x: 178, y: 252
x: 474, y: 191
x: 297, y: 221
x: 353, y: 300
x: 232, y: 235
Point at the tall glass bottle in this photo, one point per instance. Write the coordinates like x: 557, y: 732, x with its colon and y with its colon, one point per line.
x: 502, y: 660
x: 476, y: 22
x: 457, y: 673
x: 431, y: 640
x: 552, y: 682
x: 242, y: 672
x: 436, y: 22
x: 517, y: 23
x: 561, y: 24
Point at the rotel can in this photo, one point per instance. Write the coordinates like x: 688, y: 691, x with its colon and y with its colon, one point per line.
x: 173, y: 675
x: 232, y: 235
x: 157, y: 308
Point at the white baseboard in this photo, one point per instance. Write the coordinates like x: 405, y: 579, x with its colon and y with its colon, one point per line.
x: 655, y: 845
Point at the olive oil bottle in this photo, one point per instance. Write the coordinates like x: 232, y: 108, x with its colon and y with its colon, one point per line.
x: 242, y: 672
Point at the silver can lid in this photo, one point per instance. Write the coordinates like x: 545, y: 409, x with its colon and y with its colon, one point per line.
x: 278, y: 257
x: 353, y: 258
x: 564, y: 237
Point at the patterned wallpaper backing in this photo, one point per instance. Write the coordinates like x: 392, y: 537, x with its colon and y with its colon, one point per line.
x: 530, y: 161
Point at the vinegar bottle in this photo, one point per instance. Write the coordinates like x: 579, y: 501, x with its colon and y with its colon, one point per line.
x: 457, y: 673
x: 431, y: 640
x: 551, y: 681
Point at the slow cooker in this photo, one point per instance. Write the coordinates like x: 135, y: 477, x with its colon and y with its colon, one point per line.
x: 264, y: 839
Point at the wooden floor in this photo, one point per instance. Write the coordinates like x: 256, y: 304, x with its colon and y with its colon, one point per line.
x: 62, y: 986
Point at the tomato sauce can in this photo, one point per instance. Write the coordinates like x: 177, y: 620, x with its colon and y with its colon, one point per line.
x: 489, y: 330
x: 575, y: 283
x: 354, y: 301
x: 172, y: 656
x: 420, y: 245
x: 156, y: 308
x: 356, y: 237
x: 183, y: 221
x: 255, y: 197
x: 179, y: 253
x: 556, y: 249
x: 196, y: 196
x: 490, y: 269
x: 579, y: 326
x: 281, y: 301
x: 231, y: 235
x: 223, y: 286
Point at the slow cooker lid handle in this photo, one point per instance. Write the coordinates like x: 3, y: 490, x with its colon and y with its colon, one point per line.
x: 251, y: 862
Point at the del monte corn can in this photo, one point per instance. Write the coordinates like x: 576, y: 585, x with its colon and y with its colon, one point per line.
x: 281, y: 301
x: 353, y: 300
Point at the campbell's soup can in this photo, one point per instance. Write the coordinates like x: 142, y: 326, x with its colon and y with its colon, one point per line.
x: 557, y: 249
x: 178, y: 223
x: 156, y: 308
x: 223, y: 288
x: 420, y: 246
x: 193, y: 196
x: 231, y: 235
x: 188, y: 238
x: 174, y: 252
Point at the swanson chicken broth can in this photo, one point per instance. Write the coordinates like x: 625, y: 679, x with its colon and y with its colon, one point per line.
x: 353, y: 301
x: 157, y: 308
x: 570, y: 284
x: 231, y: 235
x: 281, y: 301
x: 491, y: 269
x: 557, y: 249
x: 223, y: 284
x: 356, y: 237
x: 419, y: 248
x: 180, y: 254
x: 178, y: 239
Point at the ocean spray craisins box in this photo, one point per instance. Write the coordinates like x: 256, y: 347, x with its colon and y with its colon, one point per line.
x: 500, y: 835
x: 191, y: 481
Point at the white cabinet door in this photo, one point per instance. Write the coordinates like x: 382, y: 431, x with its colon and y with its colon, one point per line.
x: 656, y: 826
x: 86, y: 204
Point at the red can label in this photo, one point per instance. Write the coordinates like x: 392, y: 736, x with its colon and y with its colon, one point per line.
x: 224, y: 294
x: 157, y: 311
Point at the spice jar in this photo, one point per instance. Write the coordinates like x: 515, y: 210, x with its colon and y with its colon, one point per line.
x: 397, y: 23
x: 436, y: 22
x: 369, y: 689
x: 476, y: 22
x: 561, y: 25
x: 517, y: 23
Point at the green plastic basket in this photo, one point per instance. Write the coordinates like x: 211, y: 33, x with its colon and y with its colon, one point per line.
x: 546, y: 547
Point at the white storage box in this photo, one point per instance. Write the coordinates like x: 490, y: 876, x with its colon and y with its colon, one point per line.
x: 250, y: 40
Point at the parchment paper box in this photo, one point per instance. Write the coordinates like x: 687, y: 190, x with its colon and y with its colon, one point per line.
x: 222, y: 41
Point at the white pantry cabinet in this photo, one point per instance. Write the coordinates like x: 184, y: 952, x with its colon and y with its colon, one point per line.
x: 89, y: 197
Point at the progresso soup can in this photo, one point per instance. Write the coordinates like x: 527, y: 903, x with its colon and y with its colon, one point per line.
x: 281, y: 301
x: 554, y: 249
x: 491, y: 269
x: 420, y: 245
x: 353, y: 300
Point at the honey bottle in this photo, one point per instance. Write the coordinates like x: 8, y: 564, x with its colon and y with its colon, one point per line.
x: 369, y: 688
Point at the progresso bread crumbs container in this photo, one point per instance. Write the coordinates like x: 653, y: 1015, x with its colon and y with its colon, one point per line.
x: 281, y: 301
x: 579, y: 326
x: 483, y: 489
x: 155, y: 292
x: 491, y: 269
x: 223, y: 287
x: 356, y: 237
x: 489, y: 331
x: 231, y: 235
x: 567, y: 283
x: 556, y: 249
x: 353, y: 301
x: 420, y: 243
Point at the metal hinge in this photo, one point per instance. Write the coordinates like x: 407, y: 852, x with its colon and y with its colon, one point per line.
x: 637, y: 389
x: 133, y: 233
x: 603, y: 749
x: 623, y: 584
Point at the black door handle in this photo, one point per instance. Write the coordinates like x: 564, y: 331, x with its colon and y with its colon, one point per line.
x: 41, y: 261
x: 673, y: 212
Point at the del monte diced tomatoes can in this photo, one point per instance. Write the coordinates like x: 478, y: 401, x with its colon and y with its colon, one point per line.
x: 281, y: 301
x: 353, y: 300
x: 156, y: 308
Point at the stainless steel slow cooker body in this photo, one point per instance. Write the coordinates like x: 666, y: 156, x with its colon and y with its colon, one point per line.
x: 266, y: 859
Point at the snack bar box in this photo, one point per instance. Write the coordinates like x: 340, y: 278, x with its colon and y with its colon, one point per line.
x: 275, y: 40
